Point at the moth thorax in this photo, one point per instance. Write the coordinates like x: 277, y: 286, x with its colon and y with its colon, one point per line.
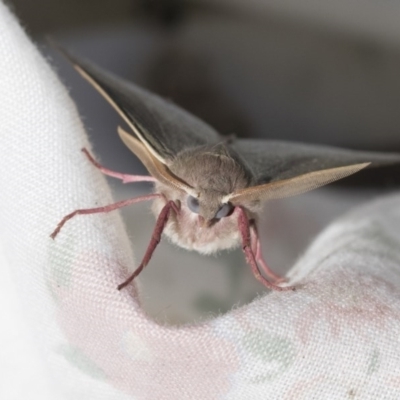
x: 213, y: 171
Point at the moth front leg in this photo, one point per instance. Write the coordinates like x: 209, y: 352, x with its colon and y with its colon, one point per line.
x: 125, y: 178
x: 244, y: 229
x: 256, y: 247
x: 155, y: 239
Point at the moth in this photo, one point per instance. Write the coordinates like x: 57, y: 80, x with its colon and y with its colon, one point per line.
x: 209, y: 190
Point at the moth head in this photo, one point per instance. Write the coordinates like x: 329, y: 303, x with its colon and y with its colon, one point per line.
x: 209, y: 209
x: 213, y: 172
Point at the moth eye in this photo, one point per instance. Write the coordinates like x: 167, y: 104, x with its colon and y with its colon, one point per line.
x: 224, y: 211
x: 193, y: 204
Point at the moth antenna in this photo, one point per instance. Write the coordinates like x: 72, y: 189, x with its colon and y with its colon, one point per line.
x: 155, y: 240
x: 104, y: 209
x: 124, y: 177
x: 244, y: 229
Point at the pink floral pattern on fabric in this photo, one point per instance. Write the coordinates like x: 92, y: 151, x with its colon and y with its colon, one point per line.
x: 238, y: 356
x: 347, y: 302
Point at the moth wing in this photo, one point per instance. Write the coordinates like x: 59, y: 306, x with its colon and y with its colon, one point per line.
x: 156, y: 168
x: 165, y: 129
x: 271, y: 160
x: 293, y: 186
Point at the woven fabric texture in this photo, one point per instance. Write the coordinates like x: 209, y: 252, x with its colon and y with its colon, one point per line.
x: 336, y: 337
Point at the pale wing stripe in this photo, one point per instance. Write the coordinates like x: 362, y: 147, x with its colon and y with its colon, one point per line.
x: 293, y: 186
x: 157, y: 169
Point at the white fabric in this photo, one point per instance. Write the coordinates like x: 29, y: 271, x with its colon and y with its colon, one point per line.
x: 336, y: 337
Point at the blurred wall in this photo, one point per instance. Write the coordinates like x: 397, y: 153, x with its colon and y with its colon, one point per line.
x: 45, y: 16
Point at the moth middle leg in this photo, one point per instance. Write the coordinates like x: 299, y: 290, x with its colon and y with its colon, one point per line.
x: 125, y: 179
x: 104, y: 209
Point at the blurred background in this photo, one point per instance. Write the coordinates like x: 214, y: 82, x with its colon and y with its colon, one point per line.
x: 308, y: 70
x: 284, y: 69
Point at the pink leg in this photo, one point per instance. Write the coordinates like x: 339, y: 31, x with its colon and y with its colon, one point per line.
x: 256, y: 247
x: 155, y: 239
x: 244, y: 229
x: 125, y: 178
x: 104, y: 209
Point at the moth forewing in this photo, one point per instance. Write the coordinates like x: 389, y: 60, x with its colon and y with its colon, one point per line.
x: 86, y: 75
x: 293, y: 186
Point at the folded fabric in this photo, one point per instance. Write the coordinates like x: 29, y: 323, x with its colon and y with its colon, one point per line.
x: 335, y: 337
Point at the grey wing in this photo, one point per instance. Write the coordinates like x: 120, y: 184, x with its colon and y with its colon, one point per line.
x: 271, y: 161
x: 163, y: 127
